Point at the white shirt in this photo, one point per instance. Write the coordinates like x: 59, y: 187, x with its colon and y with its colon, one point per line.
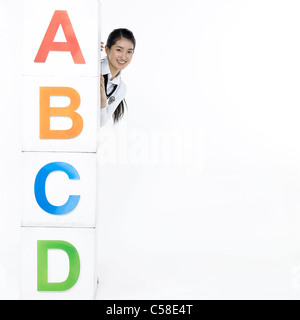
x: 107, y: 112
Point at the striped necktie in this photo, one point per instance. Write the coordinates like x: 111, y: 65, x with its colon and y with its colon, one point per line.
x: 106, y: 82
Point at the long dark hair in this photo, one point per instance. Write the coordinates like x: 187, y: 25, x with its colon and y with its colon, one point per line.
x: 116, y: 35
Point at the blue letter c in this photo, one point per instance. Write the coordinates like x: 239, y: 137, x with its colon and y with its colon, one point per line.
x: 40, y: 191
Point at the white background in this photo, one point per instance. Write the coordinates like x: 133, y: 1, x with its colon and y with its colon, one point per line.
x: 212, y: 209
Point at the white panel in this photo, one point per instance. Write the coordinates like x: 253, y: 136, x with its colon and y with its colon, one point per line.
x: 85, y: 19
x: 58, y: 189
x: 89, y: 109
x: 84, y: 242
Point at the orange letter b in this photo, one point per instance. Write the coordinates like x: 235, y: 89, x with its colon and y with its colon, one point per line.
x: 46, y: 111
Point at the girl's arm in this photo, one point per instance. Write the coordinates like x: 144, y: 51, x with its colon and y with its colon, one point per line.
x: 102, y: 86
x: 103, y: 93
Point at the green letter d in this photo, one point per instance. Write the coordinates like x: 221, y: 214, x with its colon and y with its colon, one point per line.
x: 42, y: 266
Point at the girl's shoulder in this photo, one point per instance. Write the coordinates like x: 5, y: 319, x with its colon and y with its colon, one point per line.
x: 122, y: 87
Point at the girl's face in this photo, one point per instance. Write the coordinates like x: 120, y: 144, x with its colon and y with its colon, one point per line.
x: 120, y: 54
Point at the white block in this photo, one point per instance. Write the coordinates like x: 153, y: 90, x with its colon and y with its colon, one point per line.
x: 85, y: 20
x: 59, y: 264
x: 58, y: 188
x: 88, y: 110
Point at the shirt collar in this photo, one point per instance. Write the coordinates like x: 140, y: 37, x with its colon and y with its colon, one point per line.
x: 106, y: 70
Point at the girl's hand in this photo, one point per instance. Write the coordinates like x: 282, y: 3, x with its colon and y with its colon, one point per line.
x: 102, y: 46
x: 103, y: 93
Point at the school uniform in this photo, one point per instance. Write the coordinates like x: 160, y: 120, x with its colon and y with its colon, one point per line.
x: 115, y: 92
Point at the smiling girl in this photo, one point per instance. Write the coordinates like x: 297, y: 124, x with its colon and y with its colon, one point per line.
x: 119, y: 49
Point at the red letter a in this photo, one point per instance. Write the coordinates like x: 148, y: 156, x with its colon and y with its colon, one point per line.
x: 60, y: 18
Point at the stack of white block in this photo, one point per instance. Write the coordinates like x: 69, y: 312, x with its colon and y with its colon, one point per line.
x: 60, y: 112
